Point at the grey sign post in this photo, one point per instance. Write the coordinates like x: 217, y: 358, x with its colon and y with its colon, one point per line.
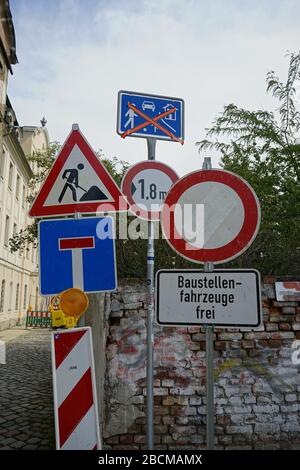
x: 151, y: 143
x: 152, y: 117
x: 210, y: 298
x: 209, y: 348
x: 228, y: 202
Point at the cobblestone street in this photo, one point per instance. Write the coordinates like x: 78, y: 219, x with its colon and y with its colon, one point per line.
x: 26, y: 400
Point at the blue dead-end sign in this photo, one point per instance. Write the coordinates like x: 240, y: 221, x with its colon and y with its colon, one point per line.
x: 77, y: 253
x: 143, y: 115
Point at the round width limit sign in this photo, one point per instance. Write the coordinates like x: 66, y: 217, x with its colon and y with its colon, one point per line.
x: 146, y: 186
x: 210, y: 215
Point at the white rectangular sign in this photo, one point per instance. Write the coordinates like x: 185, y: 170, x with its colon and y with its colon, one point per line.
x: 224, y: 297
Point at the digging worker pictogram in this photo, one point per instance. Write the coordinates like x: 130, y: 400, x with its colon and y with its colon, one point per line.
x: 72, y: 182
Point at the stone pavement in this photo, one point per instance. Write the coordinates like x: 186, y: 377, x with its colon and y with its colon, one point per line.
x: 26, y: 398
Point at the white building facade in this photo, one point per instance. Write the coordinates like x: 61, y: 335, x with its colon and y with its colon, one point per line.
x: 19, y: 270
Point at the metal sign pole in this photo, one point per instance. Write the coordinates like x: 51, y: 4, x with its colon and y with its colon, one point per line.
x: 209, y: 336
x: 150, y: 313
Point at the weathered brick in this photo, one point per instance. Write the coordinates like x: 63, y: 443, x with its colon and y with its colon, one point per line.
x: 248, y: 344
x: 265, y: 408
x: 291, y: 427
x: 196, y: 400
x: 157, y: 400
x: 167, y: 439
x: 225, y: 440
x: 182, y: 391
x: 175, y: 400
x: 221, y: 401
x: 249, y: 399
x: 239, y: 429
x: 161, y: 410
x: 137, y: 399
x: 275, y: 343
x: 183, y: 411
x: 229, y: 336
x: 283, y: 335
x: 162, y: 391
x: 182, y: 420
x: 288, y: 310
x: 198, y: 337
x: 259, y: 335
x: 140, y: 439
x: 193, y: 329
x: 296, y: 326
x: 196, y: 439
x: 117, y: 314
x: 168, y: 420
x: 127, y: 439
x: 238, y: 409
x: 223, y: 420
x: 290, y: 397
x: 112, y: 440
x: 271, y: 326
x: 167, y: 383
x: 235, y: 401
x: 160, y: 429
x: 284, y: 327
x: 289, y: 408
x: 116, y: 306
x: 220, y: 345
x: 177, y: 431
x: 268, y: 289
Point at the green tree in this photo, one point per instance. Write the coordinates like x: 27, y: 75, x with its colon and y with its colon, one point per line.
x: 262, y: 147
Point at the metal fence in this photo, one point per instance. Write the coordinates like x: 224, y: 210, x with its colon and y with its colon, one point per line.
x: 38, y: 319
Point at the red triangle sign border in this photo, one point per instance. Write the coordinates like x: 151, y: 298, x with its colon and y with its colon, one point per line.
x: 119, y: 203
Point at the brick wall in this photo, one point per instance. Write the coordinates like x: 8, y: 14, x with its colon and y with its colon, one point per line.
x: 257, y: 387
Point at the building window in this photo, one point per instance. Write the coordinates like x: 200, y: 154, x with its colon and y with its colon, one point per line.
x: 10, y: 175
x: 36, y: 298
x: 18, y: 187
x: 2, y: 162
x: 23, y: 196
x: 2, y: 296
x: 17, y: 296
x: 15, y: 229
x: 6, y: 232
x: 11, y: 286
x: 25, y: 296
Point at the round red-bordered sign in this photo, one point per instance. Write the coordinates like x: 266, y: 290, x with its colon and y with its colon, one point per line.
x: 146, y: 185
x: 231, y: 213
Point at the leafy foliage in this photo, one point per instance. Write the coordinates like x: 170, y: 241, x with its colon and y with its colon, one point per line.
x: 262, y: 147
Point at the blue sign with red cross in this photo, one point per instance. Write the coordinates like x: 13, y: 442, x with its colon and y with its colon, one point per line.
x: 143, y: 115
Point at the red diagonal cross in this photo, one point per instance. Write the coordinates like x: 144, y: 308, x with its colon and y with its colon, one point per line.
x: 151, y: 121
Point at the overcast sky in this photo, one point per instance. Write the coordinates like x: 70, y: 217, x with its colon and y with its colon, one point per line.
x: 75, y: 55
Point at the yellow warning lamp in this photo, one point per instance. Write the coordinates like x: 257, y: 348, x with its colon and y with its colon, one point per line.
x: 74, y: 302
x: 67, y: 307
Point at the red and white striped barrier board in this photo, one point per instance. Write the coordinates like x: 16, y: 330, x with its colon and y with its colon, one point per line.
x: 75, y: 400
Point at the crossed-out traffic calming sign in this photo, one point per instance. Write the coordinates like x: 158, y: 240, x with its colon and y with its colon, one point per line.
x: 143, y: 115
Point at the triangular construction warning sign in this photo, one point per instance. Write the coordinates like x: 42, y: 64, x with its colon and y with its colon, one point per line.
x: 77, y: 183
